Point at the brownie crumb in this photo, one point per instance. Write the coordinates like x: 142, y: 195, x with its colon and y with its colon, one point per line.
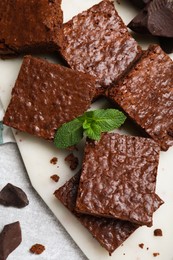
x: 141, y: 245
x: 55, y: 177
x: 54, y: 160
x: 158, y: 232
x: 37, y: 249
x: 147, y: 248
x: 155, y: 254
x: 72, y: 161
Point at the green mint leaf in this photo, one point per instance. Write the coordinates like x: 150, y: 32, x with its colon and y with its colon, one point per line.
x: 91, y: 123
x: 69, y: 134
x: 94, y: 132
x: 108, y: 119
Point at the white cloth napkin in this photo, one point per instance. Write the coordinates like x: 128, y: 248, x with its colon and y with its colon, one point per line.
x: 6, y: 135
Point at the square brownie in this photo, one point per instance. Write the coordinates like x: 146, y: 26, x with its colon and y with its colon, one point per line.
x: 97, y: 42
x: 118, y: 178
x: 146, y: 95
x: 46, y: 96
x: 30, y: 26
x: 110, y: 233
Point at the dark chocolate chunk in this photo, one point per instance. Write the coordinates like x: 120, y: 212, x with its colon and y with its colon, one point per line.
x: 10, y: 239
x: 156, y: 19
x: 140, y: 22
x: 13, y: 196
x: 110, y: 233
x: 146, y: 95
x: 118, y: 178
x: 160, y: 18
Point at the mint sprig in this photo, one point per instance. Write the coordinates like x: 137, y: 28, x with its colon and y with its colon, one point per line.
x: 91, y: 124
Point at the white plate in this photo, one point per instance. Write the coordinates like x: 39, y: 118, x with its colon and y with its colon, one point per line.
x: 36, y: 154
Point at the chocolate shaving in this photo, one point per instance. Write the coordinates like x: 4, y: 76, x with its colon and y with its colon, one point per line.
x: 13, y: 196
x: 10, y: 239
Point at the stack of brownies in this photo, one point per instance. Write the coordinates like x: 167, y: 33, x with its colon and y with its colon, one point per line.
x: 114, y: 193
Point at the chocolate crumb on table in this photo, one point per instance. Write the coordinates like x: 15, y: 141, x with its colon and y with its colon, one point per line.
x: 55, y: 177
x: 146, y: 95
x: 54, y: 160
x: 47, y: 95
x: 13, y: 196
x: 37, y: 28
x: 98, y: 42
x: 37, y: 249
x: 110, y: 233
x: 156, y: 254
x: 10, y: 239
x: 72, y: 161
x: 113, y: 181
x: 158, y: 232
x: 141, y: 245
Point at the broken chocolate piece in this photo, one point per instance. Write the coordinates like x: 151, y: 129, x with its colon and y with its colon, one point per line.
x: 160, y: 18
x: 37, y: 249
x: 13, y: 196
x: 10, y: 239
x: 139, y: 22
x: 156, y: 18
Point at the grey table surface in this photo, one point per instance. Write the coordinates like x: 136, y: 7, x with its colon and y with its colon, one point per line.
x: 38, y: 223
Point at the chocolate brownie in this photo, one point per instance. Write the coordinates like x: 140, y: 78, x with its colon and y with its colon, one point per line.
x: 118, y: 178
x: 47, y: 95
x: 27, y: 26
x: 146, y: 95
x: 97, y: 41
x: 110, y: 233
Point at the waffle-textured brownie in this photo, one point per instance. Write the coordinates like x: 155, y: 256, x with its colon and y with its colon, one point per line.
x: 110, y: 233
x: 118, y: 178
x: 97, y: 42
x: 47, y: 95
x: 30, y: 26
x: 146, y: 95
